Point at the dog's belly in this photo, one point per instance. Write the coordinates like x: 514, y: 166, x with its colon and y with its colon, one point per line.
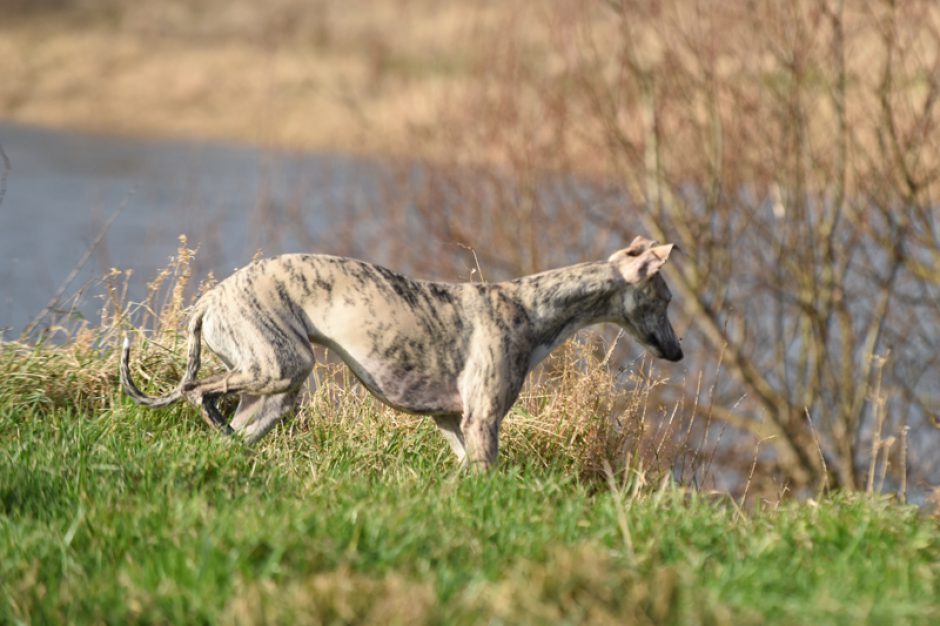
x: 404, y: 387
x: 411, y: 391
x: 414, y: 393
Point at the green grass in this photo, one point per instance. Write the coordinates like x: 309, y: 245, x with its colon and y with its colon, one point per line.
x: 126, y: 515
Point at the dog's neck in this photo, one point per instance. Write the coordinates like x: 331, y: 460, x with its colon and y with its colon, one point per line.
x: 560, y: 302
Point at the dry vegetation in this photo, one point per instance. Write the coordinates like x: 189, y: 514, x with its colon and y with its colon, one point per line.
x: 363, y: 76
x: 790, y: 150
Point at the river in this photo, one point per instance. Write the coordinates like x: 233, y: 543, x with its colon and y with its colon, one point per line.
x: 231, y: 200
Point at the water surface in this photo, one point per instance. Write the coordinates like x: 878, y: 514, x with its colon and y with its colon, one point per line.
x: 229, y: 199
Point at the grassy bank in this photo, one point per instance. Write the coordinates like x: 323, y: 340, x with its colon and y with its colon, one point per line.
x: 353, y: 513
x: 139, y: 516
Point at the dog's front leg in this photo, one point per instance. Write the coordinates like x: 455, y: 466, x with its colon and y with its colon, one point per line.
x: 449, y: 426
x: 481, y: 435
x: 487, y: 398
x: 489, y: 385
x: 482, y: 413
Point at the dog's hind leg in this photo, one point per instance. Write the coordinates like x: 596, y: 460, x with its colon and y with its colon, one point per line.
x: 263, y: 356
x: 257, y: 404
x: 205, y: 393
x: 242, y: 382
x: 212, y: 416
x: 256, y: 415
x: 245, y: 412
x: 263, y: 399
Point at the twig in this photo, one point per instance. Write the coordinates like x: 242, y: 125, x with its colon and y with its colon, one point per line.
x: 902, y: 492
x: 620, y: 508
x: 887, y: 444
x: 878, y: 406
x: 613, y: 346
x: 54, y: 301
x: 822, y: 456
x: 7, y: 168
x: 476, y: 261
x: 750, y: 475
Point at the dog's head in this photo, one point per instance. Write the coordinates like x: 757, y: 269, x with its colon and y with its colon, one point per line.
x: 644, y: 303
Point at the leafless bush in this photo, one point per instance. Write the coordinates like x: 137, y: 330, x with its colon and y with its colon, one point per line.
x: 789, y: 149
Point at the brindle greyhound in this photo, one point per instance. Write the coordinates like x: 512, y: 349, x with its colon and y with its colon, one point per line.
x: 458, y: 352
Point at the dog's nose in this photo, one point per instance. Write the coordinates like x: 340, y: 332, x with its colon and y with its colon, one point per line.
x: 672, y: 354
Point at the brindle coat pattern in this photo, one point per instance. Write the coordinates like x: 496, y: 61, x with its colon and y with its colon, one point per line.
x: 458, y: 352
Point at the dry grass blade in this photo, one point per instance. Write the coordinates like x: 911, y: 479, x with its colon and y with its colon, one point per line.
x: 7, y: 168
x: 89, y: 252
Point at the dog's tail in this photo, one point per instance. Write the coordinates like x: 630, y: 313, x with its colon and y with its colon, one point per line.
x: 192, y: 368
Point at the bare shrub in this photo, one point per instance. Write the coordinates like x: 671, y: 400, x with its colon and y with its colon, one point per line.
x: 790, y: 150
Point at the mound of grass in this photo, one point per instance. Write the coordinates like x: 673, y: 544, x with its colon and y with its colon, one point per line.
x: 143, y: 516
x: 352, y: 513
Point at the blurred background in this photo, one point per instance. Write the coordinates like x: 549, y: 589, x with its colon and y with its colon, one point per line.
x: 790, y: 149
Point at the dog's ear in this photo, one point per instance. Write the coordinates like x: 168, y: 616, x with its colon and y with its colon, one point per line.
x: 638, y: 246
x: 638, y: 268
